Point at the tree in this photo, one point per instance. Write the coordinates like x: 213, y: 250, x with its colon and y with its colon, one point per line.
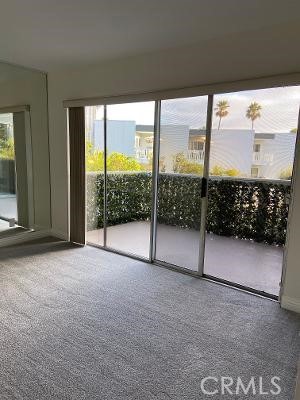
x: 183, y: 166
x: 286, y: 173
x: 7, y: 149
x: 222, y: 110
x: 217, y: 170
x: 121, y: 162
x: 94, y: 159
x: 114, y: 162
x: 253, y: 112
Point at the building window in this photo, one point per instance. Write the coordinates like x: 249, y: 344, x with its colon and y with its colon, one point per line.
x: 256, y: 147
x: 198, y: 146
x: 137, y: 141
x: 254, y: 172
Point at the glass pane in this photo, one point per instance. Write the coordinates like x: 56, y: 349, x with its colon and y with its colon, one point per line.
x: 94, y: 139
x: 251, y: 160
x: 8, y: 199
x: 181, y: 160
x: 130, y: 130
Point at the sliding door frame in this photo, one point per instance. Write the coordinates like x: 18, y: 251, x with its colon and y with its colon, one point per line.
x: 24, y: 187
x: 155, y: 173
x: 105, y: 176
x: 204, y: 188
x: 210, y: 91
x: 204, y: 192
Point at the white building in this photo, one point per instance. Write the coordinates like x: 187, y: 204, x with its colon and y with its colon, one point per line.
x: 249, y: 154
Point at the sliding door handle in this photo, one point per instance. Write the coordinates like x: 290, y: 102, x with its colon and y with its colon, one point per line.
x: 203, y: 188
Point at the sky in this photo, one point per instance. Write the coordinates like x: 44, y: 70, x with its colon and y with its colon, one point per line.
x: 6, y: 118
x: 279, y: 113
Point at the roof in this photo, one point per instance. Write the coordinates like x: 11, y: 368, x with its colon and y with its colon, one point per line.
x: 144, y: 128
x: 264, y: 136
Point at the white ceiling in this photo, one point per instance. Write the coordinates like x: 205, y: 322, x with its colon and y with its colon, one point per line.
x: 51, y: 34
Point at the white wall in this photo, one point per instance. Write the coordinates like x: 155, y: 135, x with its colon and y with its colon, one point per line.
x: 20, y: 86
x: 120, y: 136
x: 282, y: 147
x: 232, y: 149
x: 217, y: 61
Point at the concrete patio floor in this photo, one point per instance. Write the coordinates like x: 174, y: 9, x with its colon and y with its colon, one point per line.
x: 8, y: 205
x: 256, y: 265
x: 8, y: 209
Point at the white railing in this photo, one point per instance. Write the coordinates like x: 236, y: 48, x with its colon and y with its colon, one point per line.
x: 143, y: 153
x: 262, y: 158
x: 195, y: 156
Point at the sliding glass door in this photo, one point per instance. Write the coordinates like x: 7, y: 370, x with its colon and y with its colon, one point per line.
x: 95, y: 177
x: 16, y: 201
x: 8, y: 197
x: 168, y: 179
x: 182, y: 146
x: 130, y: 134
x: 251, y: 160
x: 119, y: 154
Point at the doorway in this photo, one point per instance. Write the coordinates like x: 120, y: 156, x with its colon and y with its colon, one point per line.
x: 119, y: 164
x: 201, y: 184
x: 251, y: 161
x: 16, y: 214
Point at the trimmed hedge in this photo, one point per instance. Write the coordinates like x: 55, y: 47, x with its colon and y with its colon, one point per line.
x: 256, y: 210
x: 244, y: 209
x: 7, y: 176
x: 128, y: 198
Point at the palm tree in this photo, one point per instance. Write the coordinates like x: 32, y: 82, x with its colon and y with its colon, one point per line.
x: 222, y: 110
x: 253, y: 112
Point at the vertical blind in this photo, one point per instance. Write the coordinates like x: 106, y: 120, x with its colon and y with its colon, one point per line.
x: 77, y: 174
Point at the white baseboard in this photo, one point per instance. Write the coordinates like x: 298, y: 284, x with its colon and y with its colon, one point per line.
x: 290, y: 303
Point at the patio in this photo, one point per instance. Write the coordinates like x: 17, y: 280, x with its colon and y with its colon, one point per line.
x: 256, y: 265
x: 8, y: 209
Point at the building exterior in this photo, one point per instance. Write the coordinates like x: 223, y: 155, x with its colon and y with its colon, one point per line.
x: 257, y: 155
x: 120, y: 136
x: 243, y: 152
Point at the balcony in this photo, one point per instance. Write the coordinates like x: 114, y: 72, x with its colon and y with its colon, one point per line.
x: 246, y: 223
x: 261, y: 158
x: 252, y: 264
x: 196, y: 156
x: 143, y: 153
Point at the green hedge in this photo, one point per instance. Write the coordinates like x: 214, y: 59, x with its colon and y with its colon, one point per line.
x: 248, y: 210
x: 128, y: 198
x: 239, y: 208
x: 7, y: 176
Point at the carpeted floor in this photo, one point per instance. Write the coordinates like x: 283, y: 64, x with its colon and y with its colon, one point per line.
x: 81, y: 323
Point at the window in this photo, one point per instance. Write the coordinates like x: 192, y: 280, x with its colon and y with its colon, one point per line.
x: 137, y: 141
x: 254, y: 172
x: 197, y: 145
x: 256, y: 147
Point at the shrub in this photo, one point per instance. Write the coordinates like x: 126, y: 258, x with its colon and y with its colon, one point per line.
x: 238, y: 208
x: 115, y: 161
x: 286, y: 173
x: 183, y: 166
x: 7, y: 149
x: 220, y: 171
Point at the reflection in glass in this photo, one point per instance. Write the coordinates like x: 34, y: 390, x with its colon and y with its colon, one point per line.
x: 181, y: 161
x: 94, y: 141
x: 130, y: 131
x: 251, y: 159
x: 8, y: 197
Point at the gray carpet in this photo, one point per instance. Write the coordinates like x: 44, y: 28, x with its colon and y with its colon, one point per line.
x: 81, y: 323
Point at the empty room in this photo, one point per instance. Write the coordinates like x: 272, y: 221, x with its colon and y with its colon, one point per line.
x: 149, y: 200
